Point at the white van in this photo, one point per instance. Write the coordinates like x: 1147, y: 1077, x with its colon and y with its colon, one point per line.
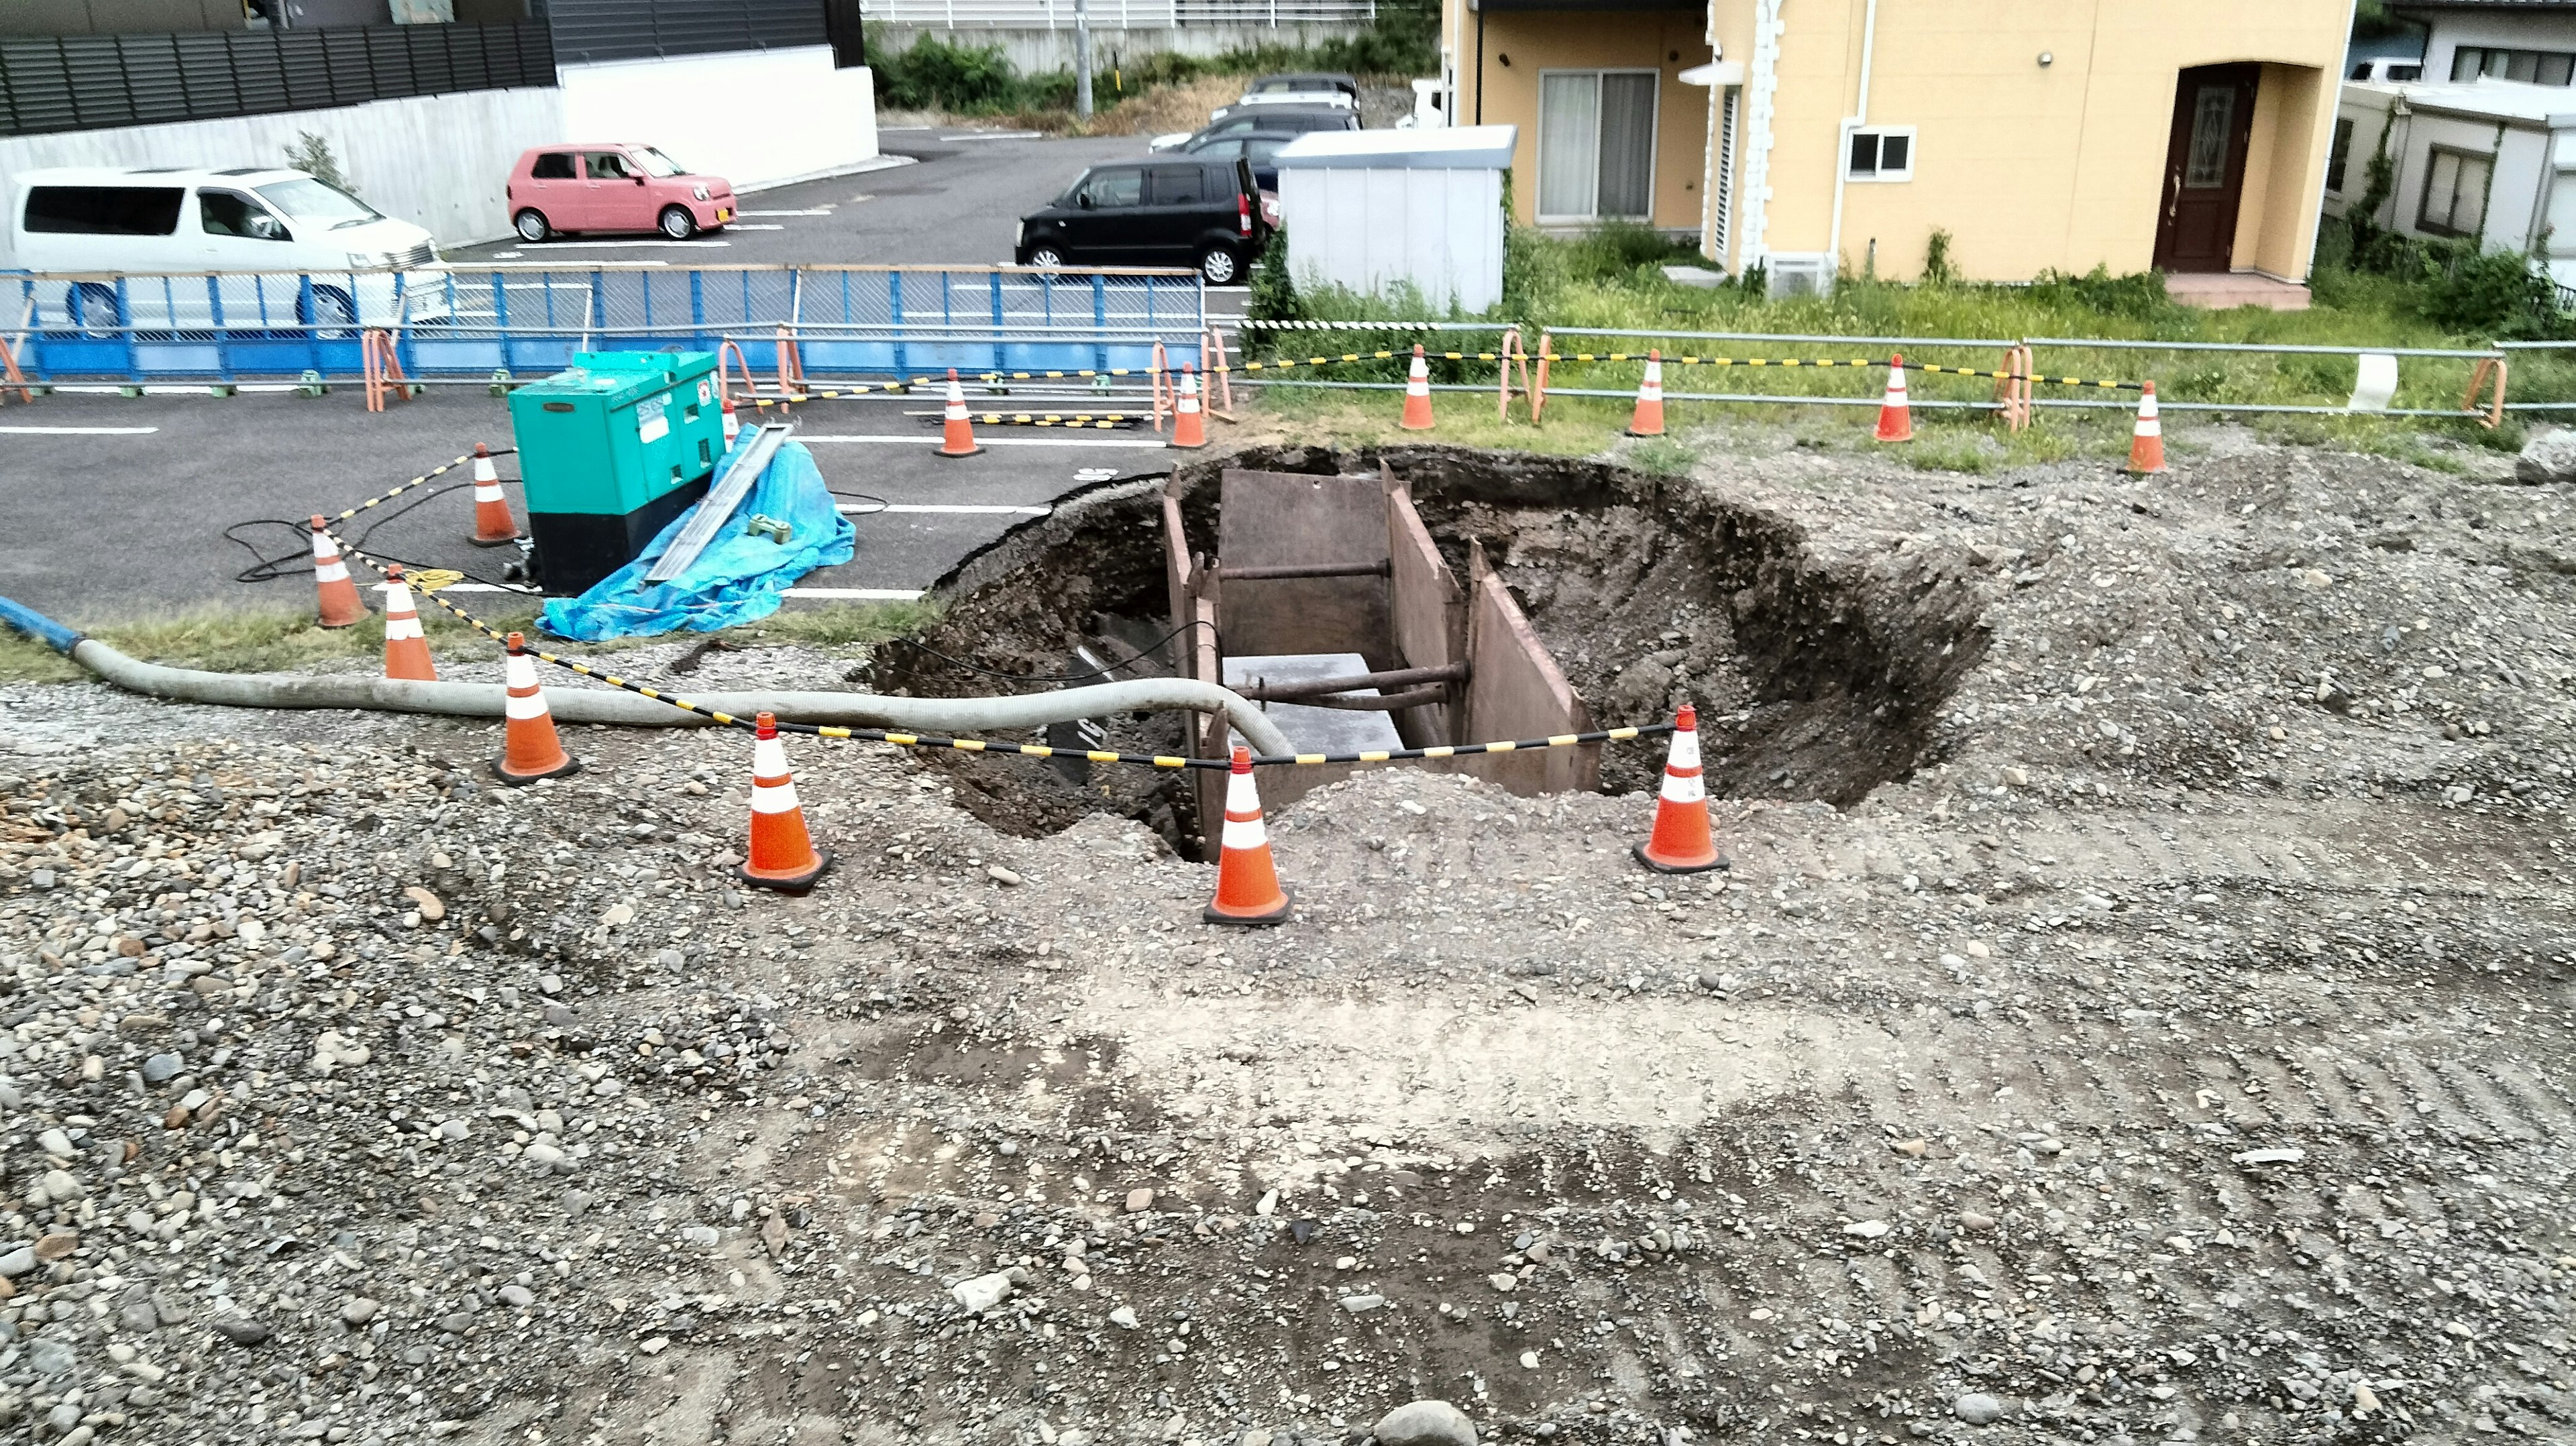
x: 251, y: 249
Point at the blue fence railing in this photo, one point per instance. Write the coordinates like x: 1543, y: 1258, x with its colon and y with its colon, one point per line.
x: 847, y: 321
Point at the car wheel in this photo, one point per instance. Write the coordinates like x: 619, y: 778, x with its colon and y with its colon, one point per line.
x: 330, y: 313
x: 1047, y: 258
x: 92, y: 308
x: 531, y: 225
x: 1220, y: 266
x: 678, y: 224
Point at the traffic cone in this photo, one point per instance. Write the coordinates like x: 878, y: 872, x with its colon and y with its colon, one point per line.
x: 1681, y: 842
x: 338, y: 595
x: 1189, y: 424
x: 1895, y: 423
x: 783, y: 856
x: 406, y: 646
x: 492, y: 524
x: 958, y: 437
x: 1417, y: 395
x: 1247, y: 887
x: 732, y: 423
x: 1649, y: 420
x: 2147, y: 442
x: 529, y: 748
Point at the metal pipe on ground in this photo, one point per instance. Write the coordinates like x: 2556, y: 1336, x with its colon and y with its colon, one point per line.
x: 963, y: 716
x: 1319, y: 687
x: 1285, y: 571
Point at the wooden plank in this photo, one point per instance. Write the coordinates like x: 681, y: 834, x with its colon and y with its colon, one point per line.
x: 1177, y: 582
x: 1427, y: 612
x: 1515, y: 691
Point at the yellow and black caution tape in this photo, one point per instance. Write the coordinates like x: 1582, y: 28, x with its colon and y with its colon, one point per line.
x: 423, y: 480
x: 1101, y: 421
x: 1024, y: 750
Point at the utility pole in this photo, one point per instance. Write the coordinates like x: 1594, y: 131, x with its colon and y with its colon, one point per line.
x: 1082, y: 60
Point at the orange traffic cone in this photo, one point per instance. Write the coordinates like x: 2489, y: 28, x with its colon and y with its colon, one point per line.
x: 406, y: 646
x: 1417, y: 395
x: 339, y: 596
x: 957, y: 439
x: 1895, y: 423
x: 1649, y: 420
x: 1681, y: 843
x: 492, y: 524
x: 2147, y: 443
x: 1189, y: 424
x: 732, y: 423
x: 529, y: 748
x: 783, y: 856
x: 1247, y: 887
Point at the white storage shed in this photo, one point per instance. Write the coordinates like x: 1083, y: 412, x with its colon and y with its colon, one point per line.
x: 1368, y: 209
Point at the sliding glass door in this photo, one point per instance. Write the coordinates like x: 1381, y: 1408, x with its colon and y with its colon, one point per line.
x: 1596, y: 145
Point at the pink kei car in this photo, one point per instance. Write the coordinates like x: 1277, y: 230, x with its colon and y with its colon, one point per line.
x: 613, y: 187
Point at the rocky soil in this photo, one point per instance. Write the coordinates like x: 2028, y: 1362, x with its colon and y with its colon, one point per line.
x: 2177, y: 1051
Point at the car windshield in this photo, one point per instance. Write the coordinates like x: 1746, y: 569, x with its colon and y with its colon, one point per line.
x: 311, y: 200
x: 657, y: 164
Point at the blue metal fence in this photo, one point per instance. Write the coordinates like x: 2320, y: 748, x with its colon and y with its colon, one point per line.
x: 528, y: 321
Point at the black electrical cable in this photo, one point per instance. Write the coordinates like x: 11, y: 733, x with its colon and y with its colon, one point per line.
x: 881, y: 503
x: 270, y: 569
x: 1064, y: 677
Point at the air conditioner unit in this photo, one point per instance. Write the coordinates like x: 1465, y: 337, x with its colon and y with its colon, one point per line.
x: 1800, y: 273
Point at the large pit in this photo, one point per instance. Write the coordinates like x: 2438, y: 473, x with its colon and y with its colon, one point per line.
x: 1817, y: 675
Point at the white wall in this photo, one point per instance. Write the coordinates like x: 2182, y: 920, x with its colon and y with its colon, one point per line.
x: 1440, y: 230
x: 2452, y: 29
x: 754, y: 117
x: 437, y: 160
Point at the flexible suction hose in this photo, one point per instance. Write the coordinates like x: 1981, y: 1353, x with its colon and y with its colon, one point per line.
x: 591, y: 705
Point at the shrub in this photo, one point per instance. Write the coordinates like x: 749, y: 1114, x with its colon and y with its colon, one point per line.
x: 1274, y: 291
x: 935, y: 75
x: 2140, y: 295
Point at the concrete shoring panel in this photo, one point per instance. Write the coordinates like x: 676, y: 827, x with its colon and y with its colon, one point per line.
x: 1427, y: 610
x: 1281, y: 519
x: 1514, y: 690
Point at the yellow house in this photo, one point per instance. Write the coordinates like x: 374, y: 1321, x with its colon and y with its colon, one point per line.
x: 1809, y: 135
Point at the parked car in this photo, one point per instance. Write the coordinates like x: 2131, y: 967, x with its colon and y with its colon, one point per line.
x: 1303, y: 88
x: 1257, y: 147
x: 1293, y: 120
x: 1160, y: 212
x: 571, y: 188
x: 293, y: 251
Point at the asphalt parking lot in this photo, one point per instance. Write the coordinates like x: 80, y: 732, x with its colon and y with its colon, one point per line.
x: 116, y: 507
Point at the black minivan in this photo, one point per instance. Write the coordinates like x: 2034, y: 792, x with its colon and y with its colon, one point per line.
x: 1162, y: 211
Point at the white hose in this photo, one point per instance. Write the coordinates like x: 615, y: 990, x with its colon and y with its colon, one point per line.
x: 965, y: 716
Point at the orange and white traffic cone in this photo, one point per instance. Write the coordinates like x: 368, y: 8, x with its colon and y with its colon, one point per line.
x: 1189, y: 424
x: 1895, y: 422
x: 529, y: 748
x: 1681, y: 843
x: 783, y: 856
x: 2147, y: 442
x: 1417, y: 395
x: 1649, y: 420
x: 493, y: 526
x: 732, y: 423
x: 337, y: 594
x: 1247, y: 887
x: 957, y: 437
x: 406, y: 646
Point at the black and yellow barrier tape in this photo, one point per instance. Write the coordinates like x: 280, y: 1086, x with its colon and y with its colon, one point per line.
x: 428, y: 584
x: 423, y: 480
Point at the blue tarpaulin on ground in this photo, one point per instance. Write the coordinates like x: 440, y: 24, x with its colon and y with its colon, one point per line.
x: 741, y: 576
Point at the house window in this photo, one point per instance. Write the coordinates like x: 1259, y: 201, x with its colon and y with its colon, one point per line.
x: 1881, y: 153
x: 2538, y: 67
x: 2213, y: 118
x: 1596, y: 144
x: 2340, y: 156
x: 2455, y: 193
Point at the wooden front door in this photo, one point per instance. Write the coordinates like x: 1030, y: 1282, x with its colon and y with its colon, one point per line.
x: 2213, y: 120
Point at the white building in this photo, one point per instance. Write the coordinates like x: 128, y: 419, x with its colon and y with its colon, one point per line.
x: 2490, y: 160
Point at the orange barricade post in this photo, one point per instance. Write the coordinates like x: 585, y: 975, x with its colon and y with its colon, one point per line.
x: 12, y: 379
x: 2490, y: 370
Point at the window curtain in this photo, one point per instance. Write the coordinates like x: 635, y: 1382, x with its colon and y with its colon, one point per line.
x: 1627, y: 145
x: 1569, y: 129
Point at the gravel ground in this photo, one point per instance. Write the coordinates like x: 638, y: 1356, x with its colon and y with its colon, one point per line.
x: 2179, y: 1052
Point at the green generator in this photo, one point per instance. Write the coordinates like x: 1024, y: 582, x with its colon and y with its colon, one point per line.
x: 611, y: 451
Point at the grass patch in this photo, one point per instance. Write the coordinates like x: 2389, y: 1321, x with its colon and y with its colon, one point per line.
x: 255, y: 640
x: 1663, y: 456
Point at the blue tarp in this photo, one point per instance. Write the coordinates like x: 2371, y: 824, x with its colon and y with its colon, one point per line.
x: 740, y: 577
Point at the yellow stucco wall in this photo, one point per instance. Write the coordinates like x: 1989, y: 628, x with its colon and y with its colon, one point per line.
x: 2027, y: 167
x: 1519, y: 44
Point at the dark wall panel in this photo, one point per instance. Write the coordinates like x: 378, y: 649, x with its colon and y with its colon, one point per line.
x: 643, y: 29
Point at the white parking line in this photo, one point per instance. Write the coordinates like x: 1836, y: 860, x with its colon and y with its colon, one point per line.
x: 741, y: 226
x: 866, y: 511
x: 810, y: 211
x: 1156, y: 445
x: 860, y: 594
x: 606, y: 245
x: 993, y: 136
x: 83, y: 431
